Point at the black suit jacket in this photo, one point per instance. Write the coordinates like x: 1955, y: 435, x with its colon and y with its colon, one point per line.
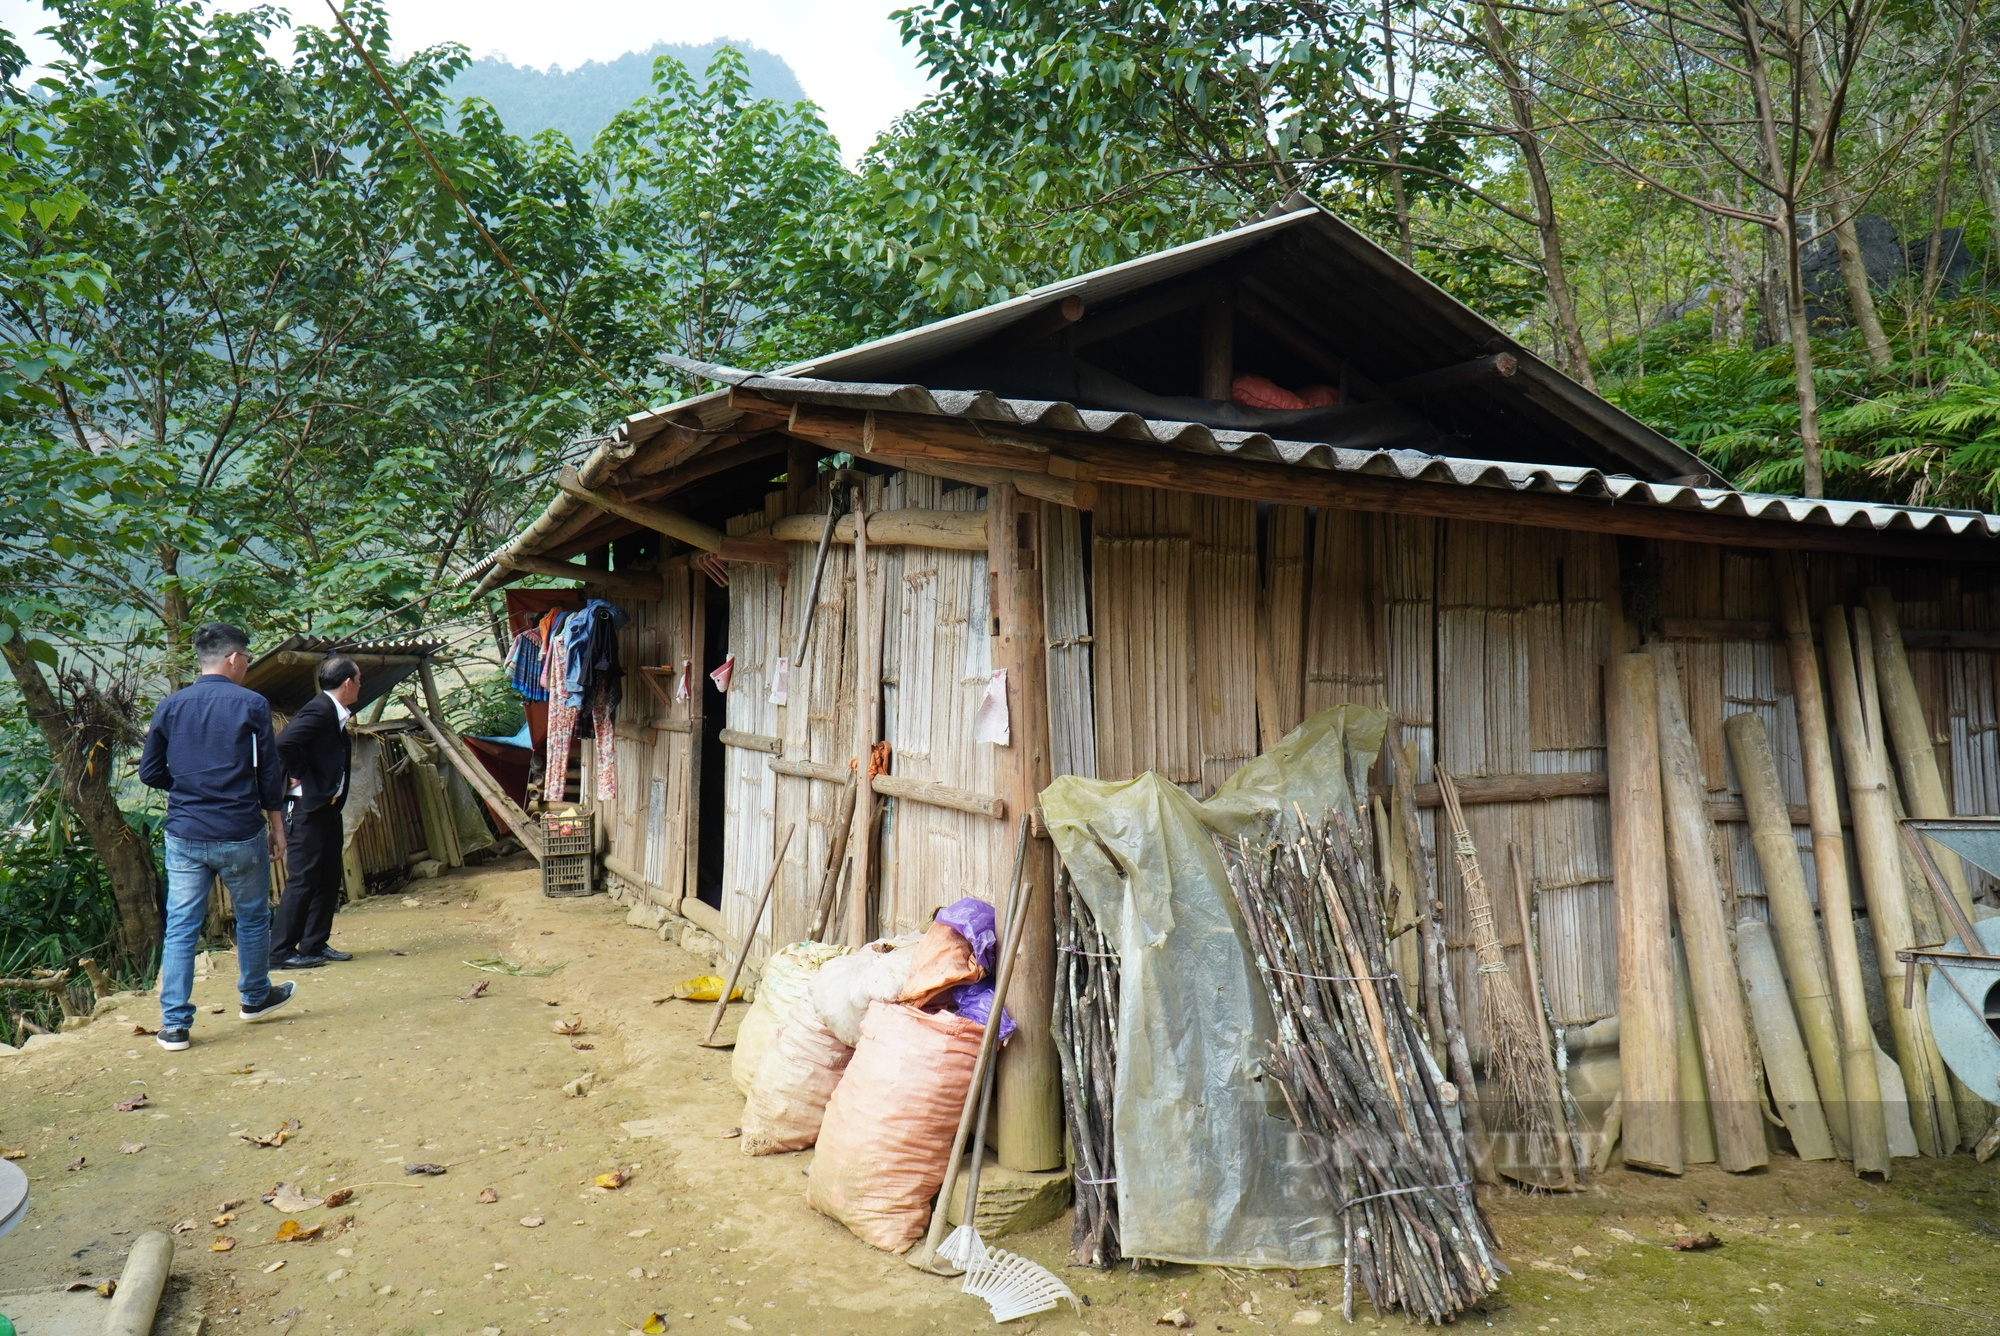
x: 316, y: 752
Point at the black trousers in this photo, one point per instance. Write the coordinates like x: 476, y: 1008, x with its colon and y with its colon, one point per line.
x: 312, y: 881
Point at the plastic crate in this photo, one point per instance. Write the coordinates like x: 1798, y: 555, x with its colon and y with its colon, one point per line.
x: 569, y: 853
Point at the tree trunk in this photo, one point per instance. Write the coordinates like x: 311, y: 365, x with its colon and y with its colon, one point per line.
x: 1840, y: 205
x: 1726, y: 322
x: 174, y: 615
x: 1528, y: 138
x: 1812, y: 470
x: 1989, y: 185
x: 83, y: 769
x: 1397, y: 193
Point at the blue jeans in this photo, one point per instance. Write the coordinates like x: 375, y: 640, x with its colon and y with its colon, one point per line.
x: 192, y: 867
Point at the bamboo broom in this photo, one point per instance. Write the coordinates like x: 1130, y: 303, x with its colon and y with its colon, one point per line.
x: 1879, y: 852
x: 1648, y: 1050
x: 1518, y: 1079
x: 1868, y: 1132
x: 1729, y: 1057
x: 1791, y: 917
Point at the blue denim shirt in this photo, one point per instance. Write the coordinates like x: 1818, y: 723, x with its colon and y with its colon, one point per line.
x: 211, y: 748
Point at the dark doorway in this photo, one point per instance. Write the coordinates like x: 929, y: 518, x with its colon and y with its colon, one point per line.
x: 714, y: 715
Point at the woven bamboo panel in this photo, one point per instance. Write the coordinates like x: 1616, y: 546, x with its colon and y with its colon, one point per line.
x: 1281, y: 627
x: 1066, y: 600
x: 1344, y: 628
x: 1223, y: 586
x: 756, y: 629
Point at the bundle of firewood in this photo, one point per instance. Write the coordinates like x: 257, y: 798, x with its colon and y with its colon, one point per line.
x: 1086, y: 1029
x: 1358, y: 1079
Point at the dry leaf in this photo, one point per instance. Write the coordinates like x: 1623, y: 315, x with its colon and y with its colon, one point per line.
x: 574, y: 1025
x: 1696, y: 1243
x: 276, y: 1138
x: 654, y: 1324
x: 291, y: 1200
x: 339, y: 1197
x: 532, y: 1221
x: 580, y: 1046
x: 478, y: 990
x: 292, y: 1231
x: 274, y: 1266
x: 1177, y: 1317
x: 617, y: 1178
x: 217, y: 1011
x: 432, y: 1169
x: 6, y: 1154
x: 243, y: 1071
x: 143, y: 1029
x: 186, y: 1226
x: 131, y: 1147
x: 223, y: 1243
x: 137, y: 1101
x: 224, y: 1220
x: 487, y: 1196
x: 230, y: 1205
x: 74, y: 1165
x: 731, y: 1134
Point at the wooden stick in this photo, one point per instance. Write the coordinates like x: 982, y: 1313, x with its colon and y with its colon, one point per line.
x: 1879, y: 851
x: 1018, y: 891
x: 1648, y: 1049
x: 867, y: 723
x: 1531, y: 953
x: 1728, y: 1053
x: 1614, y: 1123
x: 1868, y: 1132
x: 749, y: 936
x: 1910, y: 734
x: 1792, y: 918
x: 819, y: 572
x: 836, y: 856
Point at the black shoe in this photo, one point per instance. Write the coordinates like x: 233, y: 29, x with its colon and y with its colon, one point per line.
x: 328, y: 953
x: 280, y: 994
x: 173, y: 1040
x: 295, y: 961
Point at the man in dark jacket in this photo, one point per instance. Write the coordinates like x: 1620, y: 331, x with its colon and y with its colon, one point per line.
x: 317, y: 753
x: 210, y: 747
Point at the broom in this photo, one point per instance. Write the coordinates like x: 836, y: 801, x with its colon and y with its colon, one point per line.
x: 1518, y: 1071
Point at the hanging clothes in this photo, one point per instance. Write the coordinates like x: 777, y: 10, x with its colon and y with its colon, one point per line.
x: 524, y: 665
x: 562, y: 715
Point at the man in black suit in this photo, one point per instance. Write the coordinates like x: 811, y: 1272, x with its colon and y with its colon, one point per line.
x: 316, y: 751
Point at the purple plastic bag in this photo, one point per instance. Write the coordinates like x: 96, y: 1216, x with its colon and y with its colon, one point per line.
x: 974, y: 1001
x: 974, y: 920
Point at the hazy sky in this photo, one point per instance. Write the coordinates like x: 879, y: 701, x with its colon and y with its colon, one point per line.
x: 845, y: 52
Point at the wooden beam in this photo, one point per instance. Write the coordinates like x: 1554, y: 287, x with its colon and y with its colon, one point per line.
x: 1133, y: 315
x: 644, y: 514
x: 1481, y: 369
x: 940, y: 795
x: 952, y: 530
x: 757, y: 742
x: 820, y: 770
x: 1218, y: 342
x: 624, y: 584
x: 1036, y: 327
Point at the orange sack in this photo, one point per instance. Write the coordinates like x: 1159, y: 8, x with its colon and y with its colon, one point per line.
x: 889, y: 1125
x: 942, y: 960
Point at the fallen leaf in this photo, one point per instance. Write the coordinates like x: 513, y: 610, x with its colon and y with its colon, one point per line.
x: 574, y: 1025
x: 580, y: 1046
x: 292, y: 1231
x: 1696, y: 1242
x: 244, y: 1071
x: 276, y: 1138
x: 274, y: 1266
x: 731, y: 1134
x: 487, y: 1196
x: 1174, y: 1318
x: 223, y: 1243
x: 551, y: 1001
x: 399, y: 953
x: 478, y: 990
x: 217, y: 1011
x: 6, y: 1154
x: 580, y: 1087
x: 432, y: 1169
x: 74, y: 1165
x: 548, y: 932
x: 224, y: 1220
x: 230, y: 1205
x: 137, y: 1101
x: 186, y: 1226
x: 614, y: 1180
x: 143, y: 1029
x: 654, y: 1324
x: 531, y: 1221
x: 291, y: 1200
x: 339, y: 1197
x: 131, y: 1147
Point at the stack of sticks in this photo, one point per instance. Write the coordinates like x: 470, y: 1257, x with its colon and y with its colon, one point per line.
x: 1357, y: 1078
x: 1086, y: 1029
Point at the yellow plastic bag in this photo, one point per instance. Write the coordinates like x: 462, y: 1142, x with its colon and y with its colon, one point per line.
x: 705, y: 988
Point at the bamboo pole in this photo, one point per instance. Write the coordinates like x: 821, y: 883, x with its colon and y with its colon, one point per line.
x: 1791, y: 917
x: 1697, y: 1126
x: 1531, y: 952
x: 1648, y: 1048
x: 867, y: 726
x: 1869, y: 1135
x: 1879, y: 851
x: 1786, y: 1065
x: 707, y: 1039
x: 1729, y: 1056
x: 1910, y: 734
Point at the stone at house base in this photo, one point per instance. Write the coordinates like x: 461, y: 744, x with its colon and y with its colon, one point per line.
x: 1011, y: 1201
x: 644, y: 915
x: 426, y: 870
x: 698, y: 943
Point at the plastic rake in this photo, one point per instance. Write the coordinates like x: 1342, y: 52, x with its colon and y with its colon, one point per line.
x: 1013, y: 1286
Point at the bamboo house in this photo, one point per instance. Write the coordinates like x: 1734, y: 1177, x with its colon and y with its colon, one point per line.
x: 1153, y: 517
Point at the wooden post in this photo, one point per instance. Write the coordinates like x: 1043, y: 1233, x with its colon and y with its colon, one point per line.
x: 1794, y: 1088
x: 1868, y: 1133
x: 1878, y: 848
x: 1029, y: 1132
x: 1218, y: 346
x: 1648, y: 1062
x: 1697, y: 1127
x: 431, y: 701
x: 1791, y: 917
x: 697, y: 703
x: 867, y: 725
x: 1728, y: 1054
x: 1910, y: 735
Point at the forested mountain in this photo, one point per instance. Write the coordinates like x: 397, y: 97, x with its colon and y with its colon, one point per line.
x: 581, y: 101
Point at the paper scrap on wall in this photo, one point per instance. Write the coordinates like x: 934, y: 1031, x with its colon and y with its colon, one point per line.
x: 781, y: 682
x: 991, y: 725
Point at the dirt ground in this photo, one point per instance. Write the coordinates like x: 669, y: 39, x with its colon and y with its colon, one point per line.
x: 383, y: 1065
